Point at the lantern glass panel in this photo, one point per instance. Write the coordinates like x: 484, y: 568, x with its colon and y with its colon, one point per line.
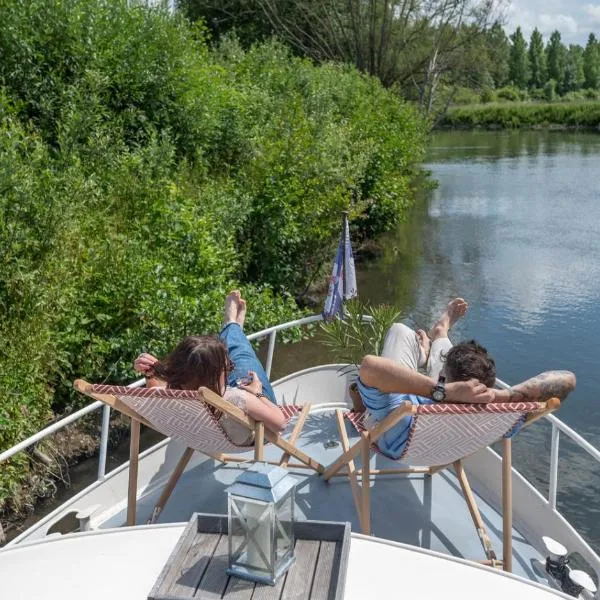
x: 284, y: 530
x: 251, y: 533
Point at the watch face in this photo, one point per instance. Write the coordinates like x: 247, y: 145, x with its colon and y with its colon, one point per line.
x: 438, y: 395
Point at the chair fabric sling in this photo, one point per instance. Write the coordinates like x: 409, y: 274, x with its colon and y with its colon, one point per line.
x: 441, y: 435
x: 189, y: 417
x: 182, y: 415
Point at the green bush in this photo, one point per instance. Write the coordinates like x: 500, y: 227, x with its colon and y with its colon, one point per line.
x: 465, y: 95
x: 515, y: 115
x: 510, y: 94
x: 143, y: 175
x: 488, y: 95
x: 550, y: 90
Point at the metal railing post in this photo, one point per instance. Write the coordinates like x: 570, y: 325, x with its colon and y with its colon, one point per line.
x: 270, y: 352
x: 553, y: 485
x: 103, y: 442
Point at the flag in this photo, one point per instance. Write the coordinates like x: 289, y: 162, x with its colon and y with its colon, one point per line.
x: 343, y: 269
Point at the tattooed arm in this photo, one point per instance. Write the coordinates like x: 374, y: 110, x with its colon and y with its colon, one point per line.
x: 542, y: 387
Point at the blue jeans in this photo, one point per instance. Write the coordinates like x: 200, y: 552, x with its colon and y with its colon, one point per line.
x: 243, y: 356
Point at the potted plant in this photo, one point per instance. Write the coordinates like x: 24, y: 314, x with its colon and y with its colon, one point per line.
x: 362, y: 331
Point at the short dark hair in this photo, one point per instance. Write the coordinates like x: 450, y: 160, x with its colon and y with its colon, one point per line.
x: 470, y: 360
x: 196, y: 361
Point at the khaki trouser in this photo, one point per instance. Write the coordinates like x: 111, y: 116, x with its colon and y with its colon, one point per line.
x: 401, y: 344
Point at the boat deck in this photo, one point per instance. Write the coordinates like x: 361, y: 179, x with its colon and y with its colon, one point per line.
x: 424, y: 511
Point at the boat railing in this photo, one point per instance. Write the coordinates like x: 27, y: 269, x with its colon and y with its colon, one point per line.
x: 271, y: 333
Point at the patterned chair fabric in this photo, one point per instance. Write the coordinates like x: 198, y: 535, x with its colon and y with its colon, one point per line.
x: 443, y: 433
x: 182, y: 415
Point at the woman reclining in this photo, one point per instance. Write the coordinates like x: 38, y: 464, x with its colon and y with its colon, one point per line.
x: 227, y: 365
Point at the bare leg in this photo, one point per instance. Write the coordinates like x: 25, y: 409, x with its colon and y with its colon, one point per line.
x: 456, y: 309
x: 425, y: 346
x: 440, y: 344
x: 231, y: 310
x: 241, y: 311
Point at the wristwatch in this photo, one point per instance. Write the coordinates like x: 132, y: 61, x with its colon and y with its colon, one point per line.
x: 438, y: 393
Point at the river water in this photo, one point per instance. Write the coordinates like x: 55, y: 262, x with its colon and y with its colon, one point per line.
x: 513, y: 227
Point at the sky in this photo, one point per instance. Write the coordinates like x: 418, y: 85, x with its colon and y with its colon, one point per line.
x: 575, y: 19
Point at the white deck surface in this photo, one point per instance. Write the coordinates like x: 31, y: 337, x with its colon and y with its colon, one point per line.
x: 122, y: 564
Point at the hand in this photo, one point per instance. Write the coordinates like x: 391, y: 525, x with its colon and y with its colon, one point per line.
x: 469, y: 392
x: 144, y: 363
x: 255, y: 386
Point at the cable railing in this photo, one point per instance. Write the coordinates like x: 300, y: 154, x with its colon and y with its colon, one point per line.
x: 557, y: 425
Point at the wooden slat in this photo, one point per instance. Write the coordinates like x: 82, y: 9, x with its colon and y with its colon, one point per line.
x: 215, y: 579
x: 296, y: 432
x: 189, y: 571
x: 259, y: 440
x: 326, y: 565
x: 351, y: 472
x: 375, y: 433
x: 300, y: 577
x: 239, y: 589
x: 173, y: 479
x: 167, y: 575
x: 134, y: 454
x: 263, y: 591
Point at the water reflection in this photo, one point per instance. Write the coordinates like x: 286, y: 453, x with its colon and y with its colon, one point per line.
x: 513, y: 227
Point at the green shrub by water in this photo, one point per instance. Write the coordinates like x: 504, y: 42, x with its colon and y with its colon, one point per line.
x: 143, y: 175
x: 574, y: 114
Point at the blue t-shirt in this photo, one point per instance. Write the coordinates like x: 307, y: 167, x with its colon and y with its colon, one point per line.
x: 380, y: 405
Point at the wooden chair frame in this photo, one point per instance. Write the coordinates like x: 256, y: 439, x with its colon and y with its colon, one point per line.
x: 262, y: 435
x: 361, y: 492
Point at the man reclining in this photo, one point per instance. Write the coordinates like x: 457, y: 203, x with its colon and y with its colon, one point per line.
x: 424, y: 368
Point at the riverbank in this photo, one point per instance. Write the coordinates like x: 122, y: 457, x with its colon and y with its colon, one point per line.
x: 524, y: 115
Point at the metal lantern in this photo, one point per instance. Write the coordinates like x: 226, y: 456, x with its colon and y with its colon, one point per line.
x: 261, y: 523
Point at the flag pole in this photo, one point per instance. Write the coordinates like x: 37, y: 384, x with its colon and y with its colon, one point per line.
x: 344, y: 225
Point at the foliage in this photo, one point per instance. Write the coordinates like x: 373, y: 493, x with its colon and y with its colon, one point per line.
x: 576, y: 115
x: 591, y: 63
x: 509, y: 93
x: 555, y: 58
x: 362, y: 331
x: 537, y: 60
x: 143, y: 174
x: 550, y: 90
x: 518, y: 65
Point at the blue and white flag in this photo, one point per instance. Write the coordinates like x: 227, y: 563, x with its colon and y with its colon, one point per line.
x: 343, y: 269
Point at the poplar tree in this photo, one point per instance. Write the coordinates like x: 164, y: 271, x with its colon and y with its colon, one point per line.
x: 555, y: 58
x: 537, y: 60
x: 498, y: 51
x: 574, y: 75
x: 591, y: 63
x: 518, y: 64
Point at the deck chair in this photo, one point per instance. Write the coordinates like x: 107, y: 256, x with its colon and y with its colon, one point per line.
x: 441, y: 435
x: 189, y: 417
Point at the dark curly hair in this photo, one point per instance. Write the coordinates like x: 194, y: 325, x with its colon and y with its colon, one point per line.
x: 470, y: 360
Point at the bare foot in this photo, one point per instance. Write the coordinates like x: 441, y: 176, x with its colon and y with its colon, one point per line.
x: 241, y: 311
x: 424, y: 345
x: 230, y: 312
x: 455, y: 310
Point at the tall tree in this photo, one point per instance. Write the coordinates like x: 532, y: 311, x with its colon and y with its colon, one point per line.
x: 410, y: 43
x: 574, y: 75
x: 518, y: 64
x: 537, y: 60
x: 498, y: 52
x: 591, y: 63
x: 555, y: 57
